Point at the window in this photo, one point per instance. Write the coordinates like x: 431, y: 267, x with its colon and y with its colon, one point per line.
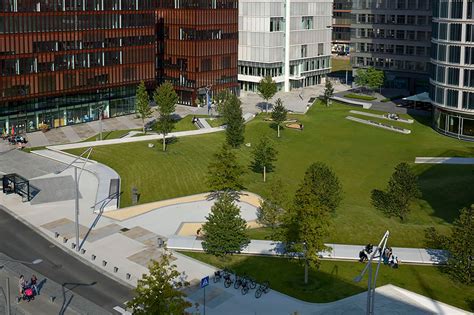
x: 469, y: 55
x: 453, y: 76
x: 452, y: 99
x: 454, y: 54
x: 276, y: 24
x: 470, y: 9
x: 469, y: 33
x: 456, y: 9
x: 443, y: 31
x: 304, y: 51
x: 307, y: 22
x: 320, y: 49
x: 468, y: 78
x: 455, y: 32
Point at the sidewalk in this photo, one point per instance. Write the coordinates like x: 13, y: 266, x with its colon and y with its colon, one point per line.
x: 338, y: 251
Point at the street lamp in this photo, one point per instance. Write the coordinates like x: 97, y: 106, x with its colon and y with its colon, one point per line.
x: 7, y: 295
x: 372, y: 280
x: 88, y: 151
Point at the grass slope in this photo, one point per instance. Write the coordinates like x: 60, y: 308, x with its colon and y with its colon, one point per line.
x: 362, y: 156
x: 334, y: 279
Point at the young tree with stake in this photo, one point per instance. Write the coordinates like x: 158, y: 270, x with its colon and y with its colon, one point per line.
x: 142, y: 104
x: 279, y: 114
x: 267, y: 88
x: 165, y: 98
x: 264, y: 157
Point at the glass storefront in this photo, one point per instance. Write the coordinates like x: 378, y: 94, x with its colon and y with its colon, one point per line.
x: 452, y: 124
x: 64, y: 111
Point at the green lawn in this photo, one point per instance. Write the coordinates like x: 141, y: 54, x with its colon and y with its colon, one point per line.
x: 362, y: 156
x: 334, y: 280
x: 215, y: 122
x: 360, y: 97
x: 185, y: 124
x: 341, y: 64
x: 108, y: 135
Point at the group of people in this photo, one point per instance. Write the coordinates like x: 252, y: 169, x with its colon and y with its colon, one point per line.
x: 388, y: 257
x: 28, y: 289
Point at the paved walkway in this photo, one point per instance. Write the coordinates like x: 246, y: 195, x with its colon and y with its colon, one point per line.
x: 338, y: 251
x: 444, y: 160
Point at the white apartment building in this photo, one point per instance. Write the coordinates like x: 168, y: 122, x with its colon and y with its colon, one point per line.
x: 287, y: 39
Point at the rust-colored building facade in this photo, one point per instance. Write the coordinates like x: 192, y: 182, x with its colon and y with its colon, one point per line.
x: 197, y: 47
x: 67, y: 62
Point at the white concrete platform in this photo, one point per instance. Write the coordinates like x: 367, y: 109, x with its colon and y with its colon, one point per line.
x: 444, y: 160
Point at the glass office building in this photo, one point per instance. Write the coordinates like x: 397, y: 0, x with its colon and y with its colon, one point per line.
x: 67, y: 62
x: 452, y: 73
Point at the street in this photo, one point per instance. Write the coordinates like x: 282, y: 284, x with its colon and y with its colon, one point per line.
x: 20, y: 242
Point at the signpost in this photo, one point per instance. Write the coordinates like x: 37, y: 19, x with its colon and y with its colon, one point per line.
x: 204, y: 284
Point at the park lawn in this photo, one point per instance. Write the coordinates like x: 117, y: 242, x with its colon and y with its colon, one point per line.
x: 185, y: 124
x: 334, y: 279
x: 362, y: 156
x: 340, y: 64
x: 108, y: 135
x: 215, y: 122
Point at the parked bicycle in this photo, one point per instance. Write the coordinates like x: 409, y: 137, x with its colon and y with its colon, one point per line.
x: 238, y: 281
x: 227, y: 280
x: 263, y: 288
x: 251, y: 282
x: 245, y: 286
x: 218, y: 275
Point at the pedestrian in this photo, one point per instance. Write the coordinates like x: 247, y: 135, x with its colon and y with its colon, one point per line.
x: 22, y: 284
x: 33, y: 282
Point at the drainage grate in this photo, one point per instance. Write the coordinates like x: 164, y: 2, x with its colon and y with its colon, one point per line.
x: 124, y: 230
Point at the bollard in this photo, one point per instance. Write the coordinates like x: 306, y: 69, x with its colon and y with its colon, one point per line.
x: 56, y: 234
x: 83, y: 251
x: 65, y: 240
x: 115, y: 269
x: 52, y: 298
x: 93, y: 257
x: 73, y: 245
x: 104, y: 263
x: 128, y: 276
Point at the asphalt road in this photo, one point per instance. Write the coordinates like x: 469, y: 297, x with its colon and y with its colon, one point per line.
x: 22, y: 243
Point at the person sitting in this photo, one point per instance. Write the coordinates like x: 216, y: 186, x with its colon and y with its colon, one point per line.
x: 394, y: 262
x: 363, y: 256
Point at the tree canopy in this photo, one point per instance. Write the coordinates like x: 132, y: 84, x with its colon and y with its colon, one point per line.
x: 142, y: 104
x: 264, y: 156
x: 267, y: 88
x: 328, y: 91
x: 279, y: 114
x: 271, y: 211
x: 225, y: 230
x: 159, y: 292
x: 224, y: 172
x: 235, y: 128
x: 165, y: 98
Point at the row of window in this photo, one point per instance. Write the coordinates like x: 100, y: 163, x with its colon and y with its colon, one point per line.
x: 446, y: 53
x: 448, y: 75
x: 450, y: 97
x: 392, y: 4
x: 389, y: 64
x: 440, y: 31
x: 193, y: 34
x: 392, y: 49
x: 453, y: 9
x: 391, y: 34
x: 12, y: 24
x: 418, y: 20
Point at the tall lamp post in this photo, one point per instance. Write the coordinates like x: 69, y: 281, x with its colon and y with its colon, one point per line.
x: 7, y: 295
x: 372, y: 280
x: 88, y: 151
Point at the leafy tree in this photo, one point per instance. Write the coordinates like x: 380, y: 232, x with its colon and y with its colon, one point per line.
x: 220, y: 99
x: 279, y: 114
x: 224, y: 230
x: 224, y: 171
x: 271, y: 211
x: 401, y: 191
x: 267, y: 88
x: 235, y: 128
x: 361, y: 78
x: 264, y: 155
x: 165, y: 98
x: 328, y: 92
x: 375, y: 78
x: 460, y: 245
x: 321, y: 187
x: 160, y: 292
x: 142, y: 104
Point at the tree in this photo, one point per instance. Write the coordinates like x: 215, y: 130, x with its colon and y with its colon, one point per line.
x: 224, y: 231
x: 264, y: 155
x: 459, y: 244
x: 271, y: 211
x: 328, y: 92
x: 165, y: 98
x: 159, y: 292
x: 235, y: 128
x: 321, y: 187
x: 220, y: 99
x: 375, y: 78
x: 361, y: 78
x: 401, y: 191
x: 224, y: 171
x: 267, y: 88
x: 279, y: 114
x: 307, y: 223
x: 142, y: 104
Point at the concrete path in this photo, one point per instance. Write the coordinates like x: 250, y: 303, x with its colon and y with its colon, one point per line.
x: 338, y: 251
x: 203, y: 122
x: 408, y: 121
x: 379, y: 125
x: 444, y: 160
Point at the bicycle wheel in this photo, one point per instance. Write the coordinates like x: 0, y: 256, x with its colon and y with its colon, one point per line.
x: 245, y: 290
x: 216, y: 279
x: 258, y: 293
x: 227, y: 283
x: 252, y: 284
x: 237, y: 284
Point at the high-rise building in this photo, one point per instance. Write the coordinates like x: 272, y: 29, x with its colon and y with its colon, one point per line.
x: 394, y: 36
x: 289, y: 40
x: 197, y: 47
x: 341, y: 25
x: 452, y: 75
x: 67, y: 62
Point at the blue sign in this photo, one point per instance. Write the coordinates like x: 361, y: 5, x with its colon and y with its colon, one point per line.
x: 204, y: 282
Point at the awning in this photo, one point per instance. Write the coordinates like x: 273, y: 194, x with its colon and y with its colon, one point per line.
x: 422, y: 97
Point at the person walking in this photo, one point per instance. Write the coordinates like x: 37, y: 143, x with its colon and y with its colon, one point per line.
x: 33, y: 282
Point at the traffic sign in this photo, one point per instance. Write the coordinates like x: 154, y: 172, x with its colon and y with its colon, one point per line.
x: 204, y: 282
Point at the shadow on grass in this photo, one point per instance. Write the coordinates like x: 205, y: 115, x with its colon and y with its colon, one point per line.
x: 447, y: 188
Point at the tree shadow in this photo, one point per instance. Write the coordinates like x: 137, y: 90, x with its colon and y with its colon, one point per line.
x: 447, y: 188
x: 66, y: 288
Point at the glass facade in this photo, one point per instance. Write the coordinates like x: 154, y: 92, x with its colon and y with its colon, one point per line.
x: 452, y: 70
x: 341, y: 24
x: 394, y: 36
